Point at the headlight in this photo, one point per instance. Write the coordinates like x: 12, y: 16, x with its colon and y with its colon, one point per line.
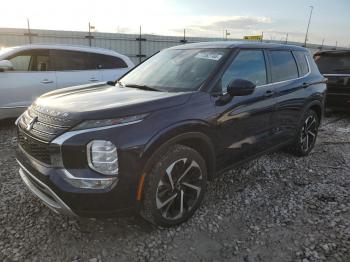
x: 110, y: 122
x: 103, y: 157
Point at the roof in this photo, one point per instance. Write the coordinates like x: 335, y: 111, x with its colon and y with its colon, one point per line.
x: 238, y: 44
x: 66, y: 47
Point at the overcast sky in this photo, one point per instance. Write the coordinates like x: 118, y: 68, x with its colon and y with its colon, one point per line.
x: 330, y: 20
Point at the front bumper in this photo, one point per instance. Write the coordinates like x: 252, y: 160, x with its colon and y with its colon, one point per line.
x: 44, y: 193
x: 47, y: 184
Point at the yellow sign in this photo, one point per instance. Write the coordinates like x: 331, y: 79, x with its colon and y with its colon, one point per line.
x: 253, y: 37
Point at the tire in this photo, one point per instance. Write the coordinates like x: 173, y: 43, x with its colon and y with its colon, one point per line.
x: 306, y: 136
x: 175, y: 187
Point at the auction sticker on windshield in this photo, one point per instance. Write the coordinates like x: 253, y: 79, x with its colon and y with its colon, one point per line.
x: 210, y: 56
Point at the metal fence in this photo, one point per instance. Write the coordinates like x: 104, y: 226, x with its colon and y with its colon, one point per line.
x: 137, y: 46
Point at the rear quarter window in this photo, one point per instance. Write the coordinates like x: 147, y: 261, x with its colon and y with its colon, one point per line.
x: 101, y: 61
x: 283, y: 65
x: 303, y: 65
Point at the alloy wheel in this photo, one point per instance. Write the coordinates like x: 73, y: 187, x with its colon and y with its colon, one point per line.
x: 308, y: 133
x: 179, y: 189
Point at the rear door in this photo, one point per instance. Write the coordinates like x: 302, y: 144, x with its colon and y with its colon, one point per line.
x: 74, y: 68
x: 111, y: 67
x: 32, y: 75
x: 288, y: 84
x: 244, y: 122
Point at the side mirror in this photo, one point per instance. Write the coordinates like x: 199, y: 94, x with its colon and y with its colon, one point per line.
x: 5, y: 65
x: 240, y: 87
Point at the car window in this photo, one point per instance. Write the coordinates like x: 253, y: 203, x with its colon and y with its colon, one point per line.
x: 21, y: 62
x: 101, y: 61
x: 248, y: 65
x: 71, y: 60
x: 283, y: 66
x: 176, y: 70
x: 333, y: 63
x: 303, y: 66
x: 33, y: 60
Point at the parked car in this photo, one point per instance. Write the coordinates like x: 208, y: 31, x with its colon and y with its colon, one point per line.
x: 150, y: 142
x: 335, y: 65
x: 27, y: 72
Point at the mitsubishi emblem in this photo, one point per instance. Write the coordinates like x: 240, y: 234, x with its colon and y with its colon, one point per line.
x: 31, y: 123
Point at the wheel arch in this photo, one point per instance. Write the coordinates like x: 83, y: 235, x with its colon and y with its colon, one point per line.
x: 194, y: 135
x: 316, y: 106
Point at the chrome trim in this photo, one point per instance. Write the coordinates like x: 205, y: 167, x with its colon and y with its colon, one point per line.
x: 70, y: 176
x: 62, y: 138
x: 293, y: 79
x: 12, y: 107
x: 19, y: 118
x: 58, y: 206
x: 346, y: 75
x: 284, y: 81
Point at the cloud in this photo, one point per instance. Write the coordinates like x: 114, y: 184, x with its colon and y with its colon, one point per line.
x: 235, y: 23
x: 214, y: 25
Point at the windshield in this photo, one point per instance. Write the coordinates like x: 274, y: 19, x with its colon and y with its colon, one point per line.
x: 175, y: 70
x: 333, y: 63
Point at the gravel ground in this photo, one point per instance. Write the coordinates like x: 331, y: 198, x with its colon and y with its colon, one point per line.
x: 275, y: 208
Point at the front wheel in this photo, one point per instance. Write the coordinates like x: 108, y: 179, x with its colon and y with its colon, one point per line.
x: 175, y: 187
x: 306, y: 136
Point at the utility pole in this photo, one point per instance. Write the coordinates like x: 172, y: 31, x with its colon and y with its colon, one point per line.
x: 226, y: 34
x: 322, y: 44
x: 262, y: 36
x: 287, y: 38
x: 29, y: 33
x: 140, y: 45
x: 89, y: 34
x: 336, y: 45
x: 184, y: 41
x: 308, y: 25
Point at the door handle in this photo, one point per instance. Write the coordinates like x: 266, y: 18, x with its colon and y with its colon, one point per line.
x: 46, y: 81
x: 269, y: 93
x: 305, y: 85
x: 92, y: 79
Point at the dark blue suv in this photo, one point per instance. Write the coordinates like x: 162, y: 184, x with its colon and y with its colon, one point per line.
x: 149, y: 142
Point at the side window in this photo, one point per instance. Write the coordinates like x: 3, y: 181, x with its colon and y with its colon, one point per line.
x: 22, y: 62
x: 249, y: 65
x: 283, y: 66
x: 303, y: 66
x: 107, y: 62
x: 70, y: 60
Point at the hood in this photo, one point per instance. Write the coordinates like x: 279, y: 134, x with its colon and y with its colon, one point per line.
x: 100, y: 101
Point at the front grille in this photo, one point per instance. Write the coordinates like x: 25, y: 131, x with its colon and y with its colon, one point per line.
x: 37, y: 127
x: 46, y: 127
x: 35, y: 148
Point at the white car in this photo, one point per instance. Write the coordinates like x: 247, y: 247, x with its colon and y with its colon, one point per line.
x: 27, y: 72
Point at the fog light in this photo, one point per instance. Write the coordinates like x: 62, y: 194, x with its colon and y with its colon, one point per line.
x: 89, y: 183
x: 103, y: 157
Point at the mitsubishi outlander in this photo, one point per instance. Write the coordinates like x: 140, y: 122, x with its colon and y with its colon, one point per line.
x: 149, y: 142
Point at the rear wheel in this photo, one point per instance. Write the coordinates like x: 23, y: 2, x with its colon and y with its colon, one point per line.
x: 307, y: 134
x: 175, y: 187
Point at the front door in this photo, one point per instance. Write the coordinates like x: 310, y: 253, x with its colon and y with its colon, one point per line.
x: 74, y: 68
x: 244, y: 123
x: 31, y: 77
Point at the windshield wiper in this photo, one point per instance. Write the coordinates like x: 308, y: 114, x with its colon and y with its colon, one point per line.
x: 142, y: 87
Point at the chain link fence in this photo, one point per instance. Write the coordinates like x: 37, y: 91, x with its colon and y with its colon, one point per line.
x: 136, y: 46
